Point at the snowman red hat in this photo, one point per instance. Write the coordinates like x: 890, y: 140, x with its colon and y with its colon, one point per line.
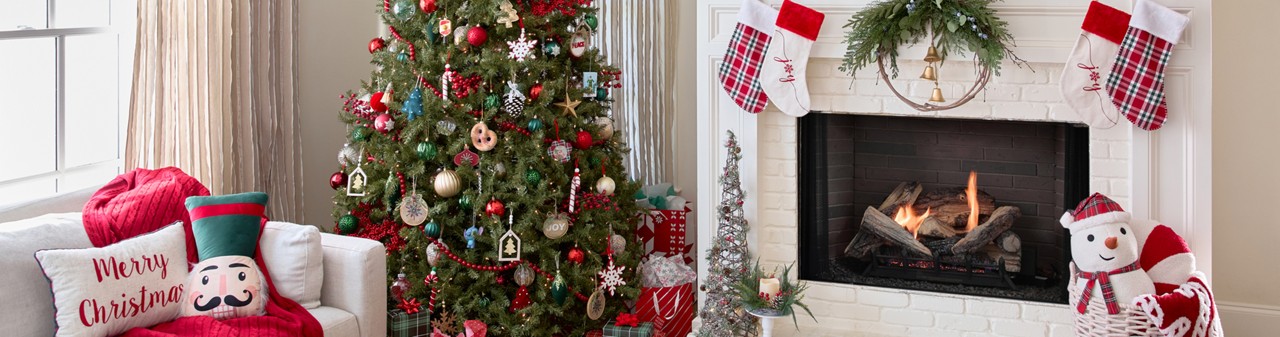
x: 1095, y: 210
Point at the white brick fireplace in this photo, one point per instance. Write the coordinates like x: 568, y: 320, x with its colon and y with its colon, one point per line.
x: 1162, y: 175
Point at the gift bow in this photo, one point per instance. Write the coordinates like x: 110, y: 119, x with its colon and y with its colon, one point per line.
x: 473, y: 328
x: 627, y: 319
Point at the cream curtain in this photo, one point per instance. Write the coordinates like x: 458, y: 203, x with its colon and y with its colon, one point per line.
x: 213, y: 94
x: 633, y: 36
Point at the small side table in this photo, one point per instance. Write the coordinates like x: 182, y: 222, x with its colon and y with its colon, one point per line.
x: 766, y: 320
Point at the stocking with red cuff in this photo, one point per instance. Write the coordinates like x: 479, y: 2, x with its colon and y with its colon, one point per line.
x: 1089, y: 64
x: 783, y: 73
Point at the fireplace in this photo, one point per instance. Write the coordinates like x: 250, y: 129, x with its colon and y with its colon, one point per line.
x: 958, y: 206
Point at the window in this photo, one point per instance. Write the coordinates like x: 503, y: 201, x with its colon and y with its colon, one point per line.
x: 65, y: 73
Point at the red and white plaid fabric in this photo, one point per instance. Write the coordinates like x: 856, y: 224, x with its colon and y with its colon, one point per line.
x: 1103, y: 280
x: 1094, y: 205
x: 740, y: 71
x: 1136, y: 83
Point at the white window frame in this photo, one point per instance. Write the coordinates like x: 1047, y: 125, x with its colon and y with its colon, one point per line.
x: 123, y: 22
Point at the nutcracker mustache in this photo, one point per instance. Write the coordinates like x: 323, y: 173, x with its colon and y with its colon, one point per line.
x: 230, y: 299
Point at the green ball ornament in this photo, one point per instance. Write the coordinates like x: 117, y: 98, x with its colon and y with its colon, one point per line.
x: 602, y: 93
x: 533, y: 177
x: 360, y: 134
x: 404, y: 10
x: 592, y: 21
x: 595, y: 161
x: 464, y: 202
x: 551, y: 47
x: 403, y: 57
x: 492, y: 102
x: 559, y: 290
x: 483, y: 301
x: 535, y: 125
x: 348, y: 224
x: 431, y: 229
x: 426, y: 150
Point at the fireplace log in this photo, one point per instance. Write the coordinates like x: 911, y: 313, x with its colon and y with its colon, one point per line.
x: 951, y: 207
x: 1009, y: 242
x: 936, y: 228
x: 862, y: 245
x: 999, y: 222
x: 880, y: 225
x: 1012, y: 260
x: 904, y: 194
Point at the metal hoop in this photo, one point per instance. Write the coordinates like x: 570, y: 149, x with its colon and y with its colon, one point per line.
x: 983, y: 76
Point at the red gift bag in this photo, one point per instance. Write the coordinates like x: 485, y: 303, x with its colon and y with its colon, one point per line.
x: 662, y: 232
x: 669, y: 308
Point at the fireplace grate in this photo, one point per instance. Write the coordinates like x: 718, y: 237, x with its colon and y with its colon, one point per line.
x: 942, y: 269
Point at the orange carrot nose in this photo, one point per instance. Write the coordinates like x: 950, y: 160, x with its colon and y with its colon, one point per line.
x: 1112, y: 242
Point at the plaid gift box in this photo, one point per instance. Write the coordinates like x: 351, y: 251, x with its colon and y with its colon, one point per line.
x: 642, y: 330
x: 400, y: 324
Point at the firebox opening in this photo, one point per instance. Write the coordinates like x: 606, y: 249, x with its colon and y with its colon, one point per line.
x: 944, y: 205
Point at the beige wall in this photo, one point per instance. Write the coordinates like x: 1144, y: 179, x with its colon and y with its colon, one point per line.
x: 1245, y: 161
x: 332, y: 58
x: 685, y: 130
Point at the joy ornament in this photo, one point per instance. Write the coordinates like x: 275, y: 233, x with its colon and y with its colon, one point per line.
x: 483, y: 138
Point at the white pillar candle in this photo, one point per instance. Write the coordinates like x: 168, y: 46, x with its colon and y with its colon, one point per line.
x: 770, y: 286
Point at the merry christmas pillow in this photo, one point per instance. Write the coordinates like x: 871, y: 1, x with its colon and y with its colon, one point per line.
x: 105, y: 291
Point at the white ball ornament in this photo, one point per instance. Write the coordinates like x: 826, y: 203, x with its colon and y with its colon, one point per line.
x: 605, y: 185
x: 604, y: 127
x: 447, y: 183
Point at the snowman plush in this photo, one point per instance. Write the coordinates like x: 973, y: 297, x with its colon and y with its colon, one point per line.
x: 1104, y: 250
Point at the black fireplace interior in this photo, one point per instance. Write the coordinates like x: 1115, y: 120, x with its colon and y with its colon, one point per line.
x: 850, y: 162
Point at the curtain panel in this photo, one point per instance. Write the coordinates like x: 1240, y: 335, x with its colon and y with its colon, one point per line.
x: 633, y: 36
x: 213, y: 94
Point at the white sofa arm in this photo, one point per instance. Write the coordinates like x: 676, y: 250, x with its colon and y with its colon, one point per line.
x: 355, y: 277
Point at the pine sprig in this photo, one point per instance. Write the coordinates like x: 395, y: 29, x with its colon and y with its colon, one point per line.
x: 954, y: 26
x: 747, y: 288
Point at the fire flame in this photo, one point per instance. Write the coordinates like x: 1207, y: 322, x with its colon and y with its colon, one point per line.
x: 906, y: 216
x: 971, y: 194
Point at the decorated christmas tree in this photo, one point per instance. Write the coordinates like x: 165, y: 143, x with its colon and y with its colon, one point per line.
x: 722, y: 311
x: 480, y: 152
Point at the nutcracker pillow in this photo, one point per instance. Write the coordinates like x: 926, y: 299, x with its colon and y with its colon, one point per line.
x: 227, y: 282
x: 105, y: 291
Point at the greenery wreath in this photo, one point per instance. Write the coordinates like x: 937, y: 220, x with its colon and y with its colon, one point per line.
x: 963, y: 25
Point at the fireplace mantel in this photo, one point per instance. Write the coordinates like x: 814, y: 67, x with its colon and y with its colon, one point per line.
x: 1164, y: 175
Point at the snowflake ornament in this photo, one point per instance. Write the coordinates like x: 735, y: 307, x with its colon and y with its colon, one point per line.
x: 522, y: 48
x: 611, y: 277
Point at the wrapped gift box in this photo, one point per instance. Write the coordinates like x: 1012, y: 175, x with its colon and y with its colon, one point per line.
x: 662, y: 232
x: 641, y: 330
x: 400, y: 324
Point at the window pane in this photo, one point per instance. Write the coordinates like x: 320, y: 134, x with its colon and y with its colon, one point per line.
x: 29, y: 189
x: 81, y: 13
x: 92, y: 100
x: 27, y: 138
x: 20, y: 14
x: 93, y: 176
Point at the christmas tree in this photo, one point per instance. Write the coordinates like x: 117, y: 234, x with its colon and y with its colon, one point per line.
x: 482, y: 155
x: 722, y: 312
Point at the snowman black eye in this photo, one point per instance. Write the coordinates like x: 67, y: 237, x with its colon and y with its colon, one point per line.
x: 1122, y: 231
x: 1090, y: 238
x: 242, y: 276
x: 204, y: 280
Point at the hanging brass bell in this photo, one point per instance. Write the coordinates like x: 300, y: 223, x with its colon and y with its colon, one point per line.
x: 937, y: 96
x: 929, y: 74
x: 932, y: 56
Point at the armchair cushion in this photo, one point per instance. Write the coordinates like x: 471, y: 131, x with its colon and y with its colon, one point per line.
x: 294, y: 260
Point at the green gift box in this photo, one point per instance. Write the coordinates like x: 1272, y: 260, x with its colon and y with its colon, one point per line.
x: 642, y: 330
x: 400, y: 324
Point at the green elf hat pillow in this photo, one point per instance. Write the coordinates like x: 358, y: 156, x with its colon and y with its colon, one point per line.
x: 226, y: 283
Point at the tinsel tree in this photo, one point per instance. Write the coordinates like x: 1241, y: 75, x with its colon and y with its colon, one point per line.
x: 480, y: 152
x: 722, y: 312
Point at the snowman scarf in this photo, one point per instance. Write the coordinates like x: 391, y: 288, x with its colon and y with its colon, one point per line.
x: 1103, y: 279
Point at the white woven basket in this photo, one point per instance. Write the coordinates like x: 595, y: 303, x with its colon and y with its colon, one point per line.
x: 1095, y: 322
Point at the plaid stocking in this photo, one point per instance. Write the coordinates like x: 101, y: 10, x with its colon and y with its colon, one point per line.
x: 740, y: 71
x: 1136, y: 83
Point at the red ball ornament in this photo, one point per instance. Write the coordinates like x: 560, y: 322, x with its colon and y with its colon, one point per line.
x: 377, y: 44
x: 477, y: 35
x: 375, y: 102
x: 576, y: 255
x: 501, y: 280
x: 584, y: 140
x: 383, y: 123
x: 427, y: 6
x: 535, y: 91
x: 495, y: 208
x: 338, y: 179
